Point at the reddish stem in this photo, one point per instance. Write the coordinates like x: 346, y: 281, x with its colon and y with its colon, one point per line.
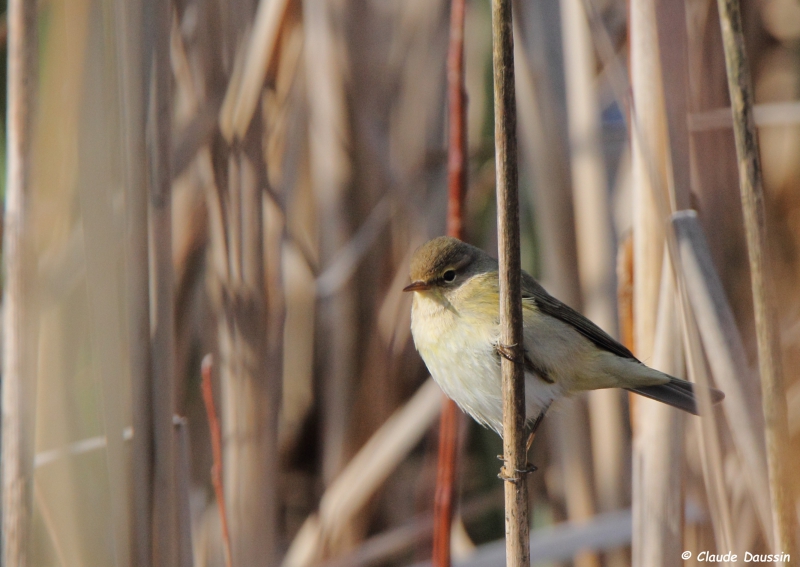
x: 216, y: 450
x: 457, y: 182
x: 457, y: 105
x: 445, y: 484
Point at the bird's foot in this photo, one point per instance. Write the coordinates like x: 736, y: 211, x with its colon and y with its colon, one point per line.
x: 509, y: 352
x: 518, y: 473
x: 512, y: 479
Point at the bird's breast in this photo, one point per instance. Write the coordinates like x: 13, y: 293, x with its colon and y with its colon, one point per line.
x: 458, y: 349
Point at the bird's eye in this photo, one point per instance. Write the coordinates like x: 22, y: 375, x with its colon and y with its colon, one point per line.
x: 449, y: 275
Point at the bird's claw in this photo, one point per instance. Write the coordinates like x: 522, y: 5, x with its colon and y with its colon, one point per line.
x: 509, y: 352
x: 503, y: 476
x: 518, y: 473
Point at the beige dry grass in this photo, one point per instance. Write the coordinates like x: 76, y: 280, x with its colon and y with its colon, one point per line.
x: 309, y: 163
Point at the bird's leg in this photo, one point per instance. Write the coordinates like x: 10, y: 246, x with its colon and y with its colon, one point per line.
x: 529, y: 467
x: 534, y: 426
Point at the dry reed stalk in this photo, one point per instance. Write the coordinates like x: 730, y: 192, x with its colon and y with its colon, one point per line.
x: 243, y: 93
x: 764, y: 114
x: 364, y: 474
x: 105, y: 168
x: 544, y: 155
x: 393, y: 542
x: 103, y: 240
x: 708, y: 437
x: 658, y: 465
x: 505, y: 139
x: 273, y: 247
x: 665, y: 195
x: 17, y: 419
x: 216, y: 449
x: 242, y: 291
x: 595, y: 239
x: 158, y: 19
x: 710, y: 452
x: 784, y: 511
x: 66, y: 254
x: 329, y: 135
x: 673, y: 51
x: 133, y: 93
x: 647, y: 143
x: 240, y: 316
x: 552, y: 194
x: 711, y: 457
x: 298, y: 363
x: 726, y: 357
x: 674, y: 193
x: 250, y: 396
x: 650, y: 179
x: 457, y: 184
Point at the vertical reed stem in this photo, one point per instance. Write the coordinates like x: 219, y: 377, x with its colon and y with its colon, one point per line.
x: 457, y: 181
x: 17, y: 441
x: 457, y: 106
x: 769, y: 354
x: 445, y: 483
x: 505, y: 124
x: 165, y: 534
x: 134, y: 90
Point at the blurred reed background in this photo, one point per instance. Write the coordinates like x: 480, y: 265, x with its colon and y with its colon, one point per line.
x: 249, y: 179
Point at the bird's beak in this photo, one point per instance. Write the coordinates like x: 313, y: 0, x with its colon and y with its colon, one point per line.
x: 417, y: 286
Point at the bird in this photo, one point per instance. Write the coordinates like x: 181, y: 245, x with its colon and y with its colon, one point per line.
x: 455, y: 324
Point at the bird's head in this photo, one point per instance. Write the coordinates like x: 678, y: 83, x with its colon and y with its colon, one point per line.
x: 444, y: 264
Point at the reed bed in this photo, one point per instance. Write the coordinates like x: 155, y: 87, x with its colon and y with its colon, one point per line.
x: 250, y: 179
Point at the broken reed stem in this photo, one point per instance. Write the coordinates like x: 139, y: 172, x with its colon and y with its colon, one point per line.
x: 505, y: 125
x: 216, y: 451
x: 769, y: 353
x: 457, y: 182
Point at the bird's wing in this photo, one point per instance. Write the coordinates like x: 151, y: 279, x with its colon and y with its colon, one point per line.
x: 551, y: 306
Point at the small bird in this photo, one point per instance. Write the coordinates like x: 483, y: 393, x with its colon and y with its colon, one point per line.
x: 455, y: 323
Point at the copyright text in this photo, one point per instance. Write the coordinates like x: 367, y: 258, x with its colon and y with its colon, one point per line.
x: 730, y: 557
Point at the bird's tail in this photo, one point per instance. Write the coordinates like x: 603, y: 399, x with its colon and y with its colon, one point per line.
x: 677, y: 393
